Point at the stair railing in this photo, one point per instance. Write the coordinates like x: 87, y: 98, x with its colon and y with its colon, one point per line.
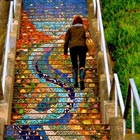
x: 131, y: 98
x: 97, y: 11
x: 114, y: 89
x: 7, y: 45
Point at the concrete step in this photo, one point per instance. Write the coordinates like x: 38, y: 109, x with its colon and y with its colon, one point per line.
x: 132, y: 137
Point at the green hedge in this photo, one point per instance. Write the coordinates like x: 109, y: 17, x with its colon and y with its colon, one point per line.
x: 121, y: 20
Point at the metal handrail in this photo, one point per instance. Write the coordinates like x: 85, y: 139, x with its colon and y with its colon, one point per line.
x: 103, y: 44
x: 132, y: 97
x: 114, y: 89
x: 7, y: 45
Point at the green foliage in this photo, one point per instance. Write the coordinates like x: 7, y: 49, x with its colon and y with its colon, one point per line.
x: 121, y: 20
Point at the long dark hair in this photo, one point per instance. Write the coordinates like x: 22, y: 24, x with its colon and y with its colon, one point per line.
x: 77, y: 19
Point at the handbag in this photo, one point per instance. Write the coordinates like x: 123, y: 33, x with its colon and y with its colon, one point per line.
x: 90, y: 44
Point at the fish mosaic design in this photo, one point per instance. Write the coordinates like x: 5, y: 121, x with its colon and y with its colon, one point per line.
x: 45, y: 104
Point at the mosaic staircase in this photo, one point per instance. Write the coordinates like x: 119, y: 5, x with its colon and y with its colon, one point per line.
x: 45, y: 104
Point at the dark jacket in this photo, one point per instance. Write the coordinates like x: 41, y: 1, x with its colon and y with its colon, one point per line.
x: 75, y: 36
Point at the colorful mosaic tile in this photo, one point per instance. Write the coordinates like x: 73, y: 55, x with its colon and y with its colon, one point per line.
x: 45, y: 104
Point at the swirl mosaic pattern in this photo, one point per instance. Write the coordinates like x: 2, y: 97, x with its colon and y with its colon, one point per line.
x: 45, y: 104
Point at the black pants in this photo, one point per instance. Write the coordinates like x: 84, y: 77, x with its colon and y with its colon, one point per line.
x: 78, y: 56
